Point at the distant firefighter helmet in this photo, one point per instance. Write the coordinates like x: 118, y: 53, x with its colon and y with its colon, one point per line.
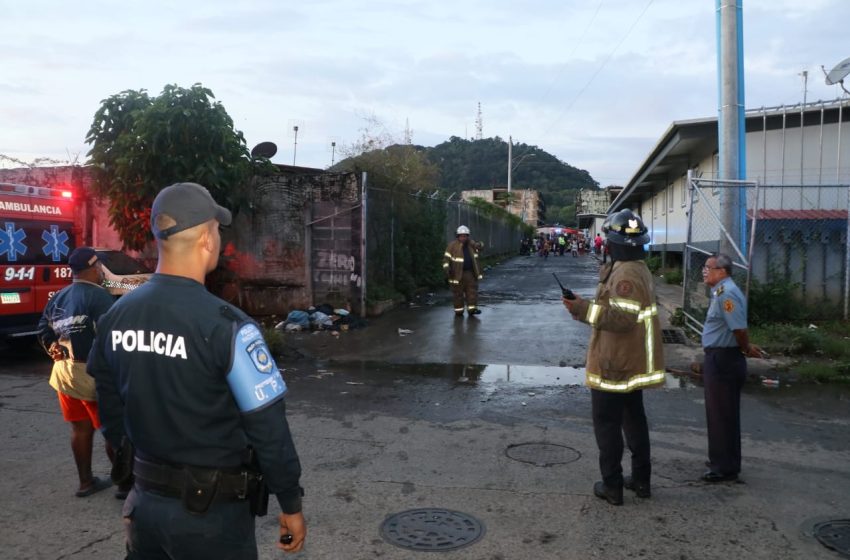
x: 625, y: 228
x: 462, y: 230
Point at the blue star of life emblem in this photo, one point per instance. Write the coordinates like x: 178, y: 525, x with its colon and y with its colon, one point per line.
x: 56, y: 243
x: 11, y: 242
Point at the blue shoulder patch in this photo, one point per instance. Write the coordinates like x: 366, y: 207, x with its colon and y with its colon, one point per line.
x: 254, y: 377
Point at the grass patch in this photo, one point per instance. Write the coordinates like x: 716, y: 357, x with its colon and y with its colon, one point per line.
x: 274, y: 340
x: 823, y: 371
x: 822, y: 353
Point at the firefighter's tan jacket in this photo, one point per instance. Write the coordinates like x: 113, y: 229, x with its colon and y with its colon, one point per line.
x: 625, y: 352
x: 453, y: 260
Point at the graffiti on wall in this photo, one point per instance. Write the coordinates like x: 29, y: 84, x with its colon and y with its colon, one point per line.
x: 336, y: 269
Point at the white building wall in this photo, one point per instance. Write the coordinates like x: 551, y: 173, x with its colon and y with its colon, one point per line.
x: 773, y: 158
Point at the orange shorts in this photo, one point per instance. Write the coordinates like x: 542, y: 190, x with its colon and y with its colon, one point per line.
x: 75, y: 410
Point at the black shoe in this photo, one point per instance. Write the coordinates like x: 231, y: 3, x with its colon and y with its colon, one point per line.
x: 475, y: 311
x: 711, y: 476
x: 613, y: 496
x: 641, y: 489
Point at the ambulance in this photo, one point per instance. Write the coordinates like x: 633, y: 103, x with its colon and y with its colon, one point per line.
x: 37, y: 233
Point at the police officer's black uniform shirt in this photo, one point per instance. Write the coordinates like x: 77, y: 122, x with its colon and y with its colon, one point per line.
x: 160, y: 362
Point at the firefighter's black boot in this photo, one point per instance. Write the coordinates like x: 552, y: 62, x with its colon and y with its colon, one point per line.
x: 613, y: 496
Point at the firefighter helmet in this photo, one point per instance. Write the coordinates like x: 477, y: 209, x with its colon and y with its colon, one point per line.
x: 625, y: 228
x: 462, y: 230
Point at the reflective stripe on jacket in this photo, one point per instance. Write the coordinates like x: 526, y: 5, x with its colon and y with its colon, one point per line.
x: 625, y: 352
x: 453, y: 260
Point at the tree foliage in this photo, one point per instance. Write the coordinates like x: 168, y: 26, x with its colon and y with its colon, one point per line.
x: 482, y: 164
x: 395, y: 173
x: 141, y: 144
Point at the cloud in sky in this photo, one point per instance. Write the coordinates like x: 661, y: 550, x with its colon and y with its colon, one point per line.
x: 595, y: 82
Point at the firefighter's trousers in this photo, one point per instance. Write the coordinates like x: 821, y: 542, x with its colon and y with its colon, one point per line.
x: 466, y: 292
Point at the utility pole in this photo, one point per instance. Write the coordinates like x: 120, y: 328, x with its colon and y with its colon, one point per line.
x: 805, y: 74
x: 295, y: 147
x: 333, y: 152
x: 731, y: 131
x: 510, y: 161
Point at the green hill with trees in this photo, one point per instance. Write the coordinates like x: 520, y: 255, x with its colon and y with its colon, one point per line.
x: 482, y: 164
x: 459, y: 165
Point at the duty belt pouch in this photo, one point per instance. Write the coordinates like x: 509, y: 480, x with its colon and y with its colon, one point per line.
x: 122, y: 469
x: 258, y: 497
x: 199, y: 489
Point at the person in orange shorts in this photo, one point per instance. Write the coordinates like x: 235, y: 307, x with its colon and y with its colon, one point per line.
x: 66, y: 331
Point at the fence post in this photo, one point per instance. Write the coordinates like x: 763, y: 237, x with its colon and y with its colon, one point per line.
x: 847, y: 259
x: 363, y: 246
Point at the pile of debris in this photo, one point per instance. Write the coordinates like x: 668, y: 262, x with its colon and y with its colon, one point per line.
x: 321, y: 317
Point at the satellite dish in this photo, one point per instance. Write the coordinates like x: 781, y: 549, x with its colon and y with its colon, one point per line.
x: 837, y: 74
x: 264, y: 149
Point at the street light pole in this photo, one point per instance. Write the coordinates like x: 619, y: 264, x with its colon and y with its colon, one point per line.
x: 510, y: 162
x: 295, y: 147
x: 333, y: 152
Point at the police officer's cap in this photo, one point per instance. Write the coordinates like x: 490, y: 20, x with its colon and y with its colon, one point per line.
x: 188, y: 204
x: 625, y: 228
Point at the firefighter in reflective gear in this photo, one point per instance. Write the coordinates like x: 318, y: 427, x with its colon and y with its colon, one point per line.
x: 624, y: 356
x: 460, y: 262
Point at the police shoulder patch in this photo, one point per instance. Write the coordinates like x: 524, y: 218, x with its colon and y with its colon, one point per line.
x: 625, y: 288
x: 728, y: 306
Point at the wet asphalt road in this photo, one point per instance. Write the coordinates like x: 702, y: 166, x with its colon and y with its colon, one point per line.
x: 385, y: 423
x: 523, y: 322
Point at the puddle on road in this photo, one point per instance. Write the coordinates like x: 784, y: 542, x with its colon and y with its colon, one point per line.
x: 489, y: 374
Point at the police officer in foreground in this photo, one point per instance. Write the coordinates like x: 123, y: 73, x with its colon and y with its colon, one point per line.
x: 187, y: 380
x: 727, y: 345
x: 624, y: 356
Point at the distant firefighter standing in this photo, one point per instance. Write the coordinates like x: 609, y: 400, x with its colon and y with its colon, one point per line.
x: 461, y: 265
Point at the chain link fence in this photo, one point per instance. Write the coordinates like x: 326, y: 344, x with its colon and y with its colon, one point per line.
x: 407, y: 233
x: 788, y: 244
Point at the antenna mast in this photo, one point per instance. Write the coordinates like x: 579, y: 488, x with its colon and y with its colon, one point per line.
x: 479, y: 124
x: 408, y: 134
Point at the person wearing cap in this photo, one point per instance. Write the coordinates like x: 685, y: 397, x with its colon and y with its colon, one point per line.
x: 66, y: 331
x: 624, y: 357
x: 189, y: 382
x: 460, y: 263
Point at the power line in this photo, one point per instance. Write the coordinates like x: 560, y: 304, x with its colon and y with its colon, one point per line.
x: 572, y: 52
x: 598, y: 70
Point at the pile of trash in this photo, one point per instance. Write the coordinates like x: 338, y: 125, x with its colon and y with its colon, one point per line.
x: 321, y: 317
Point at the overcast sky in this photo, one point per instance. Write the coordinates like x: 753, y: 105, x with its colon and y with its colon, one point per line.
x: 594, y: 82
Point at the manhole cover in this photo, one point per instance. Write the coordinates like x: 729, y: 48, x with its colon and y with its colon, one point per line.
x: 672, y: 336
x: 542, y: 454
x: 432, y: 529
x: 834, y: 534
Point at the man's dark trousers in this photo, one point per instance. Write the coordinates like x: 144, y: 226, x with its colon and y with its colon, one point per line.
x: 615, y: 414
x: 723, y: 374
x: 160, y: 528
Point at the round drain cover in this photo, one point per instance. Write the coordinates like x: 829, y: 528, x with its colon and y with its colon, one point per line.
x: 542, y: 454
x: 834, y: 534
x: 431, y: 529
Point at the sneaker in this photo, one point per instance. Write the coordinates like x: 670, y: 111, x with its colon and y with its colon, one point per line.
x: 641, y: 488
x: 475, y: 311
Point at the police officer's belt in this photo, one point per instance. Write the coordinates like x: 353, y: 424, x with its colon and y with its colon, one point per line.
x: 170, y: 480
